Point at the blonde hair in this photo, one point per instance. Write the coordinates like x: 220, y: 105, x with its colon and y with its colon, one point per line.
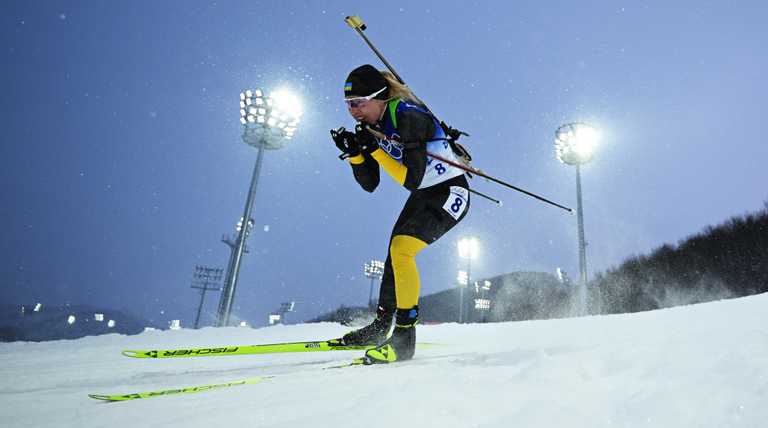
x: 397, y: 89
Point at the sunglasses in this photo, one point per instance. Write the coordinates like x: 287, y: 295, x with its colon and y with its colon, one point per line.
x: 359, y: 101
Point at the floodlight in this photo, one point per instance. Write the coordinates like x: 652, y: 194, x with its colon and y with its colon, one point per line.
x: 575, y: 143
x: 482, y: 304
x: 468, y: 248
x: 373, y: 268
x: 462, y: 277
x: 275, y: 117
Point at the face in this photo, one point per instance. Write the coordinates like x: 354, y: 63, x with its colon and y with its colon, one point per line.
x: 367, y: 111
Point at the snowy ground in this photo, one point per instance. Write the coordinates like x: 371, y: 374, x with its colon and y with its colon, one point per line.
x: 696, y: 366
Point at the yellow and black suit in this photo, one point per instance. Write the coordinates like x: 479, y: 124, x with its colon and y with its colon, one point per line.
x: 439, y: 194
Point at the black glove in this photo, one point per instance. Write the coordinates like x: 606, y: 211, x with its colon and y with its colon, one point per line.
x: 346, y: 142
x: 365, y: 140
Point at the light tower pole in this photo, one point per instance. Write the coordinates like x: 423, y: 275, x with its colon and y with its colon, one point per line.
x: 268, y: 121
x: 462, y: 279
x: 575, y: 145
x: 468, y: 249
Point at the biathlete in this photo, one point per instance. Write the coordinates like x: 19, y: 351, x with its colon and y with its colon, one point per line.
x: 394, y: 133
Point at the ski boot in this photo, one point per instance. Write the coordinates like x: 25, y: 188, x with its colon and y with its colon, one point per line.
x: 402, y: 345
x: 372, y: 334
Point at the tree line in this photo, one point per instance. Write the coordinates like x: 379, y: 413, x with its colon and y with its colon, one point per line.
x: 723, y: 261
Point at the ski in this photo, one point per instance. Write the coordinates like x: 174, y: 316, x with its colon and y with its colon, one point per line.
x: 202, y: 388
x: 174, y: 391
x: 273, y: 348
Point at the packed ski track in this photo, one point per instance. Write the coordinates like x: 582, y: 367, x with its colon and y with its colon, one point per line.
x: 694, y: 366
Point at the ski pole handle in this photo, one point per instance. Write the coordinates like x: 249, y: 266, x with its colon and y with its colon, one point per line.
x: 358, y: 25
x: 355, y: 22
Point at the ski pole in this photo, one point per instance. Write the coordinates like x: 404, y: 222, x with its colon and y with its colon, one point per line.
x: 358, y: 25
x: 494, y: 200
x: 495, y: 180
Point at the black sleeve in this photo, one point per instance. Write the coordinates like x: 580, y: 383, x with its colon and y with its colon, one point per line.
x: 367, y: 173
x: 415, y: 129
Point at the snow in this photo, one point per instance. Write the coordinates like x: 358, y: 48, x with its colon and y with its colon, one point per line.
x: 694, y: 366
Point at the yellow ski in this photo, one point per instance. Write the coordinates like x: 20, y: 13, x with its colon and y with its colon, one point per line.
x: 187, y: 390
x: 274, y: 348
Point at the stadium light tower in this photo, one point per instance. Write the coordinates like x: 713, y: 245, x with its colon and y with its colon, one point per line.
x: 373, y: 269
x: 268, y: 122
x: 205, y: 279
x: 575, y: 145
x: 468, y: 249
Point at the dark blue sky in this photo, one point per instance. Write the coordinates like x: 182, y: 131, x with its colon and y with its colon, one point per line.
x: 122, y: 165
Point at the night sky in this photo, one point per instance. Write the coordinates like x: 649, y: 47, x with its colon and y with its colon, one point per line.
x: 123, y: 165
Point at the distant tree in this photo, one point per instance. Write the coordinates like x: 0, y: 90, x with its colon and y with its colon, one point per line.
x: 9, y: 334
x: 722, y: 261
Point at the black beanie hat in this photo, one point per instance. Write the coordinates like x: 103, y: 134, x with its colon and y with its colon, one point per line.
x: 364, y: 81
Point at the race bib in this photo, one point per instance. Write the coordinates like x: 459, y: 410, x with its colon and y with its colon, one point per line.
x: 456, y: 202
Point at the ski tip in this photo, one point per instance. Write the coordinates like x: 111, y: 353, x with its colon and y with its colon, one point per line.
x: 100, y: 397
x: 140, y: 354
x: 424, y: 345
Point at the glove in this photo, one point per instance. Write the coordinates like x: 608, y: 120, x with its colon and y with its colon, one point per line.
x: 365, y: 140
x: 346, y: 142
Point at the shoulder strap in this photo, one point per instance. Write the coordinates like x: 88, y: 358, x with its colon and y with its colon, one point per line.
x: 393, y: 111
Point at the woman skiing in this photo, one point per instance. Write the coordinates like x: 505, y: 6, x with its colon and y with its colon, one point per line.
x: 395, y: 133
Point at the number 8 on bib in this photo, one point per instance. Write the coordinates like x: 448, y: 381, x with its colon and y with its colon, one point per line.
x: 456, y: 202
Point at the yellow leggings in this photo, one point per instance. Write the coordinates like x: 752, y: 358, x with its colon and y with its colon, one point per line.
x: 403, y: 250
